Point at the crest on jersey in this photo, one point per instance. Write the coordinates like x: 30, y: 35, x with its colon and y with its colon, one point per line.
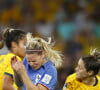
x: 46, y: 79
x: 38, y: 77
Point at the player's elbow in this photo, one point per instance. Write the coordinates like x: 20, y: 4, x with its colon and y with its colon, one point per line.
x: 5, y: 87
x: 7, y: 83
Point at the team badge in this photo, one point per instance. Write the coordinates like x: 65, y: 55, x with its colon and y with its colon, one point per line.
x: 38, y: 77
x: 46, y: 79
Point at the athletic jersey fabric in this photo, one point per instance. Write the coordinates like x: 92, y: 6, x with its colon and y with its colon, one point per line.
x: 73, y: 84
x: 46, y: 75
x: 5, y: 67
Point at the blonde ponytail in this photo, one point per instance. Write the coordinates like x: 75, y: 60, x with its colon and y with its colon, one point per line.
x: 54, y: 56
x: 40, y: 44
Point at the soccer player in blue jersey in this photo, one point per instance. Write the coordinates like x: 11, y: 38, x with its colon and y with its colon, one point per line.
x: 38, y: 70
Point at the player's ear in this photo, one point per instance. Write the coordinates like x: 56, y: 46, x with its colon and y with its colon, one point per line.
x: 43, y: 54
x: 13, y: 44
x: 90, y: 72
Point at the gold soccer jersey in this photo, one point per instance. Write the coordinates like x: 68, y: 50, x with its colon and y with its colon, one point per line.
x: 73, y: 84
x: 5, y: 66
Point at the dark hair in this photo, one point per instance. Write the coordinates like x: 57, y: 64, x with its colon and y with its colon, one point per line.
x: 12, y: 35
x: 92, y: 62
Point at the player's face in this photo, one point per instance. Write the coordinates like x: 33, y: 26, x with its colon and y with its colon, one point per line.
x: 35, y: 60
x: 81, y: 72
x: 21, y: 47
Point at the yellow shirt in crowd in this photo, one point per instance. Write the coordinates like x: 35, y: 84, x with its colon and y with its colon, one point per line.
x: 5, y: 67
x: 73, y: 84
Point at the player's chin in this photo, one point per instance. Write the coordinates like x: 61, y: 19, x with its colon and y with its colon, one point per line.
x: 36, y: 67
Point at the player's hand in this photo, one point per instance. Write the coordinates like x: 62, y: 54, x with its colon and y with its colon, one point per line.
x: 13, y: 61
x: 19, y: 68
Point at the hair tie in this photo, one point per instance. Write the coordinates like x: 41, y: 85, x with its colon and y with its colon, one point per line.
x: 10, y: 30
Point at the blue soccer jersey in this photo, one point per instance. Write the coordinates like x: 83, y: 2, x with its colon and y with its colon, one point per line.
x: 46, y: 75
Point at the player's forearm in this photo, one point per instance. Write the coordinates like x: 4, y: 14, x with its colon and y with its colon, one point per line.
x: 8, y: 87
x: 18, y: 80
x: 20, y: 88
x: 29, y: 85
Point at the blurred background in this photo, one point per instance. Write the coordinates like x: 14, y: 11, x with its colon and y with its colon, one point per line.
x: 74, y: 26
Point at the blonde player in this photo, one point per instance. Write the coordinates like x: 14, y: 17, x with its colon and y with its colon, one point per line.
x: 15, y: 41
x: 86, y: 77
x: 38, y: 70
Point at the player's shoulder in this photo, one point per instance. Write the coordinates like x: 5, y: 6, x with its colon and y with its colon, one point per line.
x: 70, y: 81
x: 49, y: 65
x: 71, y: 77
x: 9, y: 56
x: 50, y: 69
x: 2, y: 57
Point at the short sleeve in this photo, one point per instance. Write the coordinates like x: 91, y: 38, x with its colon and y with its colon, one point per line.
x: 49, y: 78
x: 2, y: 57
x: 9, y: 69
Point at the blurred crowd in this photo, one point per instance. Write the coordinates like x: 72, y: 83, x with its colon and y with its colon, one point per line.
x: 74, y: 26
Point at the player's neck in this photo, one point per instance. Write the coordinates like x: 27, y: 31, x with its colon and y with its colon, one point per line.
x: 16, y: 54
x: 89, y: 81
x: 44, y: 61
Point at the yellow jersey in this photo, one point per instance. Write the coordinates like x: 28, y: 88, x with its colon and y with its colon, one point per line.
x: 73, y: 84
x: 1, y: 58
x: 5, y: 67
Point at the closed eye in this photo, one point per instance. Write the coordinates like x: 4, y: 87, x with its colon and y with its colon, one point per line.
x: 31, y: 61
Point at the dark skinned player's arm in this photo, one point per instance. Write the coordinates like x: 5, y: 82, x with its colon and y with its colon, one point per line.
x: 8, y: 82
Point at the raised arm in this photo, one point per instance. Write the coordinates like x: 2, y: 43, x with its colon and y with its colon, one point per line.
x: 20, y: 69
x: 17, y: 78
